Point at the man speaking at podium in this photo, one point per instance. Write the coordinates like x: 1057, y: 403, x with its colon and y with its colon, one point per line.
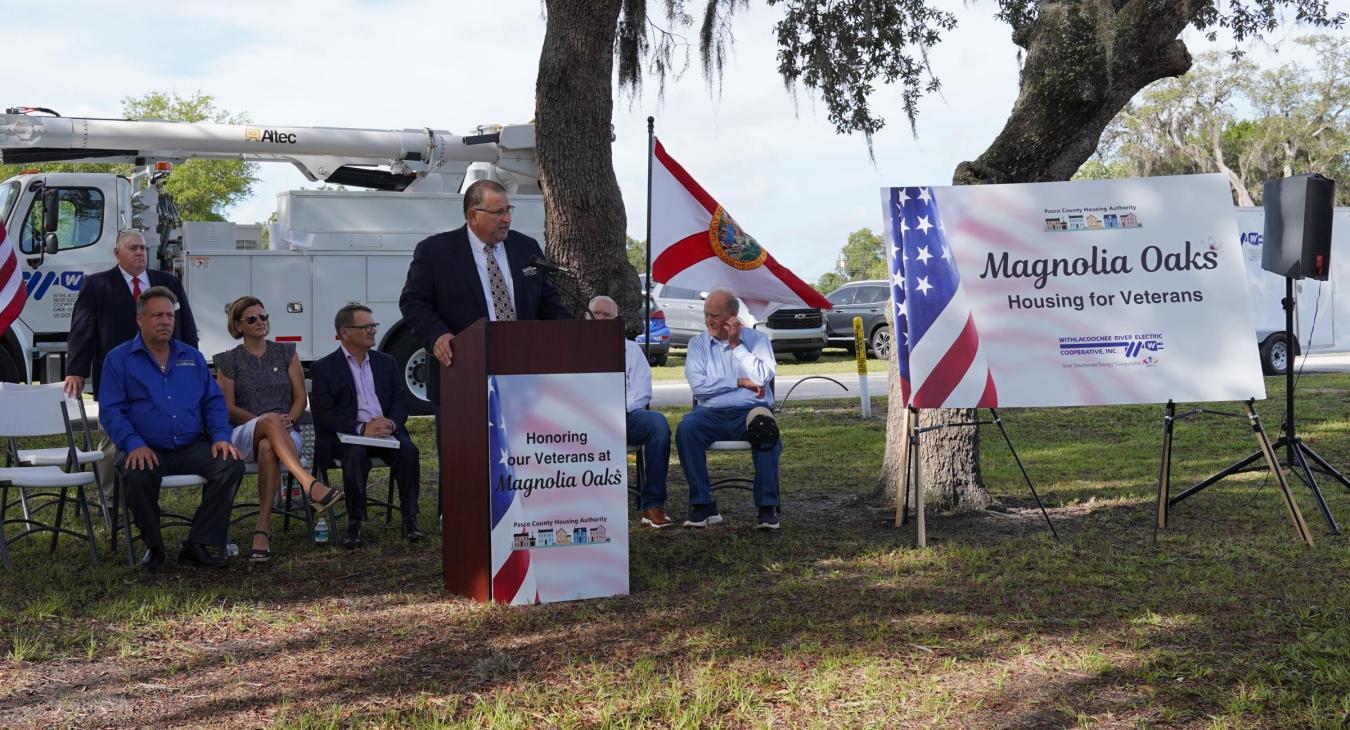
x: 479, y: 270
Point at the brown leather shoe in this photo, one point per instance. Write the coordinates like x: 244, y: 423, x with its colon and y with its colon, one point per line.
x: 656, y: 517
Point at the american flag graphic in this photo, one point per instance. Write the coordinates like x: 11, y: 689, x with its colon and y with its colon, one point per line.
x: 512, y: 579
x: 12, y: 291
x: 941, y: 362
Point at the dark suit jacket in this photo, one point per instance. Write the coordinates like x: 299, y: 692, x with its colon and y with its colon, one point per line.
x: 333, y: 400
x: 105, y: 317
x: 443, y: 293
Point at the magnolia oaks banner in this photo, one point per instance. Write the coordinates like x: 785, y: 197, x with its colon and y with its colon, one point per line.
x: 1070, y: 293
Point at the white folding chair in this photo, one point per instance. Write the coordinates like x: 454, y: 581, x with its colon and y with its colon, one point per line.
x: 87, y: 455
x: 745, y: 483
x: 375, y: 463
x: 27, y: 413
x: 284, y: 504
x: 166, y: 519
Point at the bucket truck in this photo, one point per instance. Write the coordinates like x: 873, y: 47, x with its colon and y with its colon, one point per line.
x: 327, y: 247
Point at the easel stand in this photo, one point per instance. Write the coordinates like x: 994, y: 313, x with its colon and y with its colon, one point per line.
x: 913, y: 470
x: 1297, y: 453
x: 1265, y: 450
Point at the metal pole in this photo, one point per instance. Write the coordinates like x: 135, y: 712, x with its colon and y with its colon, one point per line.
x: 1165, y: 469
x: 860, y: 349
x: 920, y: 529
x: 646, y: 308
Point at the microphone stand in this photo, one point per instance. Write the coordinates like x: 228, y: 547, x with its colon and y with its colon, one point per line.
x: 561, y: 283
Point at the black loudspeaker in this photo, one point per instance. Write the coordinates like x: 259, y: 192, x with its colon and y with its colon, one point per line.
x: 1298, y: 226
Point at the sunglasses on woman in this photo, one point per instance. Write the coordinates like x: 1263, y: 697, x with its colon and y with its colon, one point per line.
x: 254, y: 318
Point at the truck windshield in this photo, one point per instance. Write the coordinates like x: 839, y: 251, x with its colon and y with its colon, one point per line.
x: 9, y: 194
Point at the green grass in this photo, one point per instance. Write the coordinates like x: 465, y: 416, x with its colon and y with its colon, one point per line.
x: 834, y: 621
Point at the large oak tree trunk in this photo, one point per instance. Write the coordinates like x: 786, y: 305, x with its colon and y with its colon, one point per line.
x: 585, y: 221
x: 1085, y: 59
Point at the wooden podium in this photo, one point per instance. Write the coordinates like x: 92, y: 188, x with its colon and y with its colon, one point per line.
x: 483, y: 350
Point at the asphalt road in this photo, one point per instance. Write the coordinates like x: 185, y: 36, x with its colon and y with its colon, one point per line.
x: 676, y: 393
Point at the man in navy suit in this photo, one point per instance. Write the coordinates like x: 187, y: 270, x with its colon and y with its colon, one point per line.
x: 105, y: 317
x: 356, y: 391
x: 105, y: 311
x: 480, y: 270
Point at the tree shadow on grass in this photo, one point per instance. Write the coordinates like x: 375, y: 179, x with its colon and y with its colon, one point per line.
x: 1103, y: 625
x: 989, y: 588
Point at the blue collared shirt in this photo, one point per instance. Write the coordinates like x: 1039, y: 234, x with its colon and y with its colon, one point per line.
x: 712, y: 369
x: 140, y: 405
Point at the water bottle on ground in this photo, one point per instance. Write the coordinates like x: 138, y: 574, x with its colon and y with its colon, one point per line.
x: 321, y: 530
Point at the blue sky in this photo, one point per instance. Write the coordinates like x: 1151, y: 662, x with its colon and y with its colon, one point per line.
x: 768, y: 155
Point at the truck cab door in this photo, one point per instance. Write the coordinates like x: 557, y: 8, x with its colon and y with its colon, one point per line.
x: 84, y: 229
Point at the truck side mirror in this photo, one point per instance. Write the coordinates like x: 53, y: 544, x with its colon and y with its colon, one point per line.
x: 50, y: 245
x: 51, y: 210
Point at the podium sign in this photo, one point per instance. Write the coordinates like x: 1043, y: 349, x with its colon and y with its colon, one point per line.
x: 559, y: 484
x: 534, y: 478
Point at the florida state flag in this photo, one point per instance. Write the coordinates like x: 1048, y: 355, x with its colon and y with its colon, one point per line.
x: 697, y: 245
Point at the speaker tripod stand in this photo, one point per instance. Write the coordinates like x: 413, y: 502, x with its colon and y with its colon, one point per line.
x: 1297, y: 457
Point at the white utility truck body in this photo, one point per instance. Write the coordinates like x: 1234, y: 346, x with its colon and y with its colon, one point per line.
x: 1328, y: 300
x: 326, y: 248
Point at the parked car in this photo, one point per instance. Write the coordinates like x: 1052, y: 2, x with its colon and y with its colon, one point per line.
x: 660, y: 349
x: 797, y: 331
x: 867, y: 299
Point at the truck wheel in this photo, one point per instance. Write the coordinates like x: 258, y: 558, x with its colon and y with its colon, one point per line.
x: 1275, y: 354
x: 411, y: 359
x: 9, y: 370
x: 808, y: 356
x: 881, y: 342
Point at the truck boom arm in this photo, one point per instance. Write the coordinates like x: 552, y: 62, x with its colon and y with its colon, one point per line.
x: 331, y: 154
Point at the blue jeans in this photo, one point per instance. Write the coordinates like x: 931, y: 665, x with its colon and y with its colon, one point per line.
x: 650, y: 430
x: 702, y: 426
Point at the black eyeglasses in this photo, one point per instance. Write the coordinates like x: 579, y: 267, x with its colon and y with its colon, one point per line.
x: 499, y: 212
x: 367, y: 327
x: 254, y: 318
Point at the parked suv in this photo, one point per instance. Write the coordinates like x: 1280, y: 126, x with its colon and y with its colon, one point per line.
x: 800, y: 332
x: 660, y: 348
x: 869, y: 300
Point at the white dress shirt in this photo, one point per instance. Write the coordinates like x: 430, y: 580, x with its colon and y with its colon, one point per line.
x: 637, y: 376
x: 712, y: 369
x: 144, y: 277
x: 480, y: 260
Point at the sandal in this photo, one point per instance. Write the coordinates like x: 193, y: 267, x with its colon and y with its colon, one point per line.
x: 261, y: 556
x: 321, y: 505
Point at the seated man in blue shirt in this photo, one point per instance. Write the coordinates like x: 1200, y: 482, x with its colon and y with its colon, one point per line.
x: 163, y: 410
x: 645, y: 428
x: 729, y: 370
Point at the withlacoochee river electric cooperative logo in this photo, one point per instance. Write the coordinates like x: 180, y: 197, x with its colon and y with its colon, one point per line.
x: 37, y: 283
x: 1134, y: 349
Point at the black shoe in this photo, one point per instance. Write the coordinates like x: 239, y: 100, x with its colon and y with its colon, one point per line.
x: 702, y: 515
x: 768, y: 518
x: 352, y: 537
x: 412, y: 534
x: 153, y: 560
x: 196, y: 554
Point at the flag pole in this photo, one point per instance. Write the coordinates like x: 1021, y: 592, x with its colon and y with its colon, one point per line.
x: 646, y: 308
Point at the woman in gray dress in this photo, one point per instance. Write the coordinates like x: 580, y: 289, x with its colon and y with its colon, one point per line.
x: 264, y: 387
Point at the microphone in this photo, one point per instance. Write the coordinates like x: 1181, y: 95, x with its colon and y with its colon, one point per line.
x: 546, y: 265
